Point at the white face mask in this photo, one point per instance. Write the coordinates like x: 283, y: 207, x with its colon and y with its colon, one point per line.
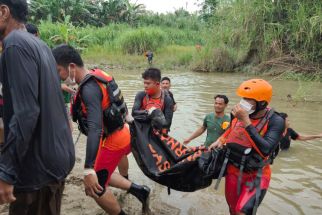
x: 246, y: 106
x: 69, y: 81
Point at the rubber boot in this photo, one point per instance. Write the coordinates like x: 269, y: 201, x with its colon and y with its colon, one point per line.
x: 142, y: 194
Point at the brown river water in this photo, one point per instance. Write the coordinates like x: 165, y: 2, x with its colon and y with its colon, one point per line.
x: 296, y: 185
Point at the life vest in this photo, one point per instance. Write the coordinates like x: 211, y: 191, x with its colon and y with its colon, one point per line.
x: 239, y: 140
x: 242, y: 152
x: 240, y: 146
x: 158, y: 103
x: 113, y: 105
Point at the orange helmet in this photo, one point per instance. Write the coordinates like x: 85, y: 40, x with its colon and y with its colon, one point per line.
x: 257, y: 89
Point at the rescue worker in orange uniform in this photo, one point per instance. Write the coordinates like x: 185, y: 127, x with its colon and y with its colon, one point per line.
x: 153, y: 97
x: 100, y: 111
x: 251, y: 143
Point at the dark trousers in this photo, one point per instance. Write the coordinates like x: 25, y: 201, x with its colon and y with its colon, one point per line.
x: 46, y: 201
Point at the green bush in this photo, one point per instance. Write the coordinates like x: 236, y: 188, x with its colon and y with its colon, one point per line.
x: 185, y: 59
x: 57, y: 33
x: 138, y: 41
x: 120, y: 37
x: 259, y: 30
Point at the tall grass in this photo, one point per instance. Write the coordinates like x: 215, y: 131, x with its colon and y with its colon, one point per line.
x: 167, y: 57
x: 140, y: 40
x: 242, y: 34
x: 124, y: 45
x: 118, y: 36
x: 249, y: 32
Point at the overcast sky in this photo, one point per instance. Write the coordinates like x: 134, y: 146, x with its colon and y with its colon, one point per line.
x: 163, y: 6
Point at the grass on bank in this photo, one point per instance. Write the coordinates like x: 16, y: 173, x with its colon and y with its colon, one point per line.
x: 243, y: 34
x: 124, y: 45
x: 168, y: 57
x: 246, y: 33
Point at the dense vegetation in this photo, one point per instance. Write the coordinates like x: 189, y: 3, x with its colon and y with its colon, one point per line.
x: 233, y: 35
x: 273, y: 33
x: 84, y: 12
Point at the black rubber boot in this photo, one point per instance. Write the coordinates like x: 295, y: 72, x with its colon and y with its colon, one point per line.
x: 141, y: 193
x: 122, y: 212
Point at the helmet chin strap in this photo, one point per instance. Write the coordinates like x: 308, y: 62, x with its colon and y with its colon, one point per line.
x: 259, y: 106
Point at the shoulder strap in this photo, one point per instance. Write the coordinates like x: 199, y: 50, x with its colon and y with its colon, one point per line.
x: 265, y: 120
x: 260, y: 126
x: 101, y: 76
x: 85, y: 79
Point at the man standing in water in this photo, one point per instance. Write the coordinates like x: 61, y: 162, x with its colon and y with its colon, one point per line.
x: 166, y: 85
x: 149, y: 56
x: 250, y: 142
x: 38, y: 151
x: 153, y: 97
x: 100, y: 110
x: 290, y: 134
x: 215, y: 123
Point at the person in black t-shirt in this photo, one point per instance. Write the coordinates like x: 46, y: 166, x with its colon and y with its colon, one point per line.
x: 166, y: 85
x: 38, y: 151
x: 290, y: 134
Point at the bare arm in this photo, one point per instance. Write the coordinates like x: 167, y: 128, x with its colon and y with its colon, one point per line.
x: 309, y: 137
x: 196, y: 134
x: 67, y: 88
x: 175, y: 107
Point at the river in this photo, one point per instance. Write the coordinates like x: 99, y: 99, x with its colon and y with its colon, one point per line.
x: 296, y: 180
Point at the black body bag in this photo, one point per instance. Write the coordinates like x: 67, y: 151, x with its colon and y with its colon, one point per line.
x: 172, y: 164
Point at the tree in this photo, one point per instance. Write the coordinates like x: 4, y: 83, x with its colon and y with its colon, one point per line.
x: 208, y: 8
x: 83, y: 12
x: 80, y: 11
x: 134, y: 11
x: 118, y: 11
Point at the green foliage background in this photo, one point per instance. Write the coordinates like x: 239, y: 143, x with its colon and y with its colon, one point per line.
x: 233, y: 34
